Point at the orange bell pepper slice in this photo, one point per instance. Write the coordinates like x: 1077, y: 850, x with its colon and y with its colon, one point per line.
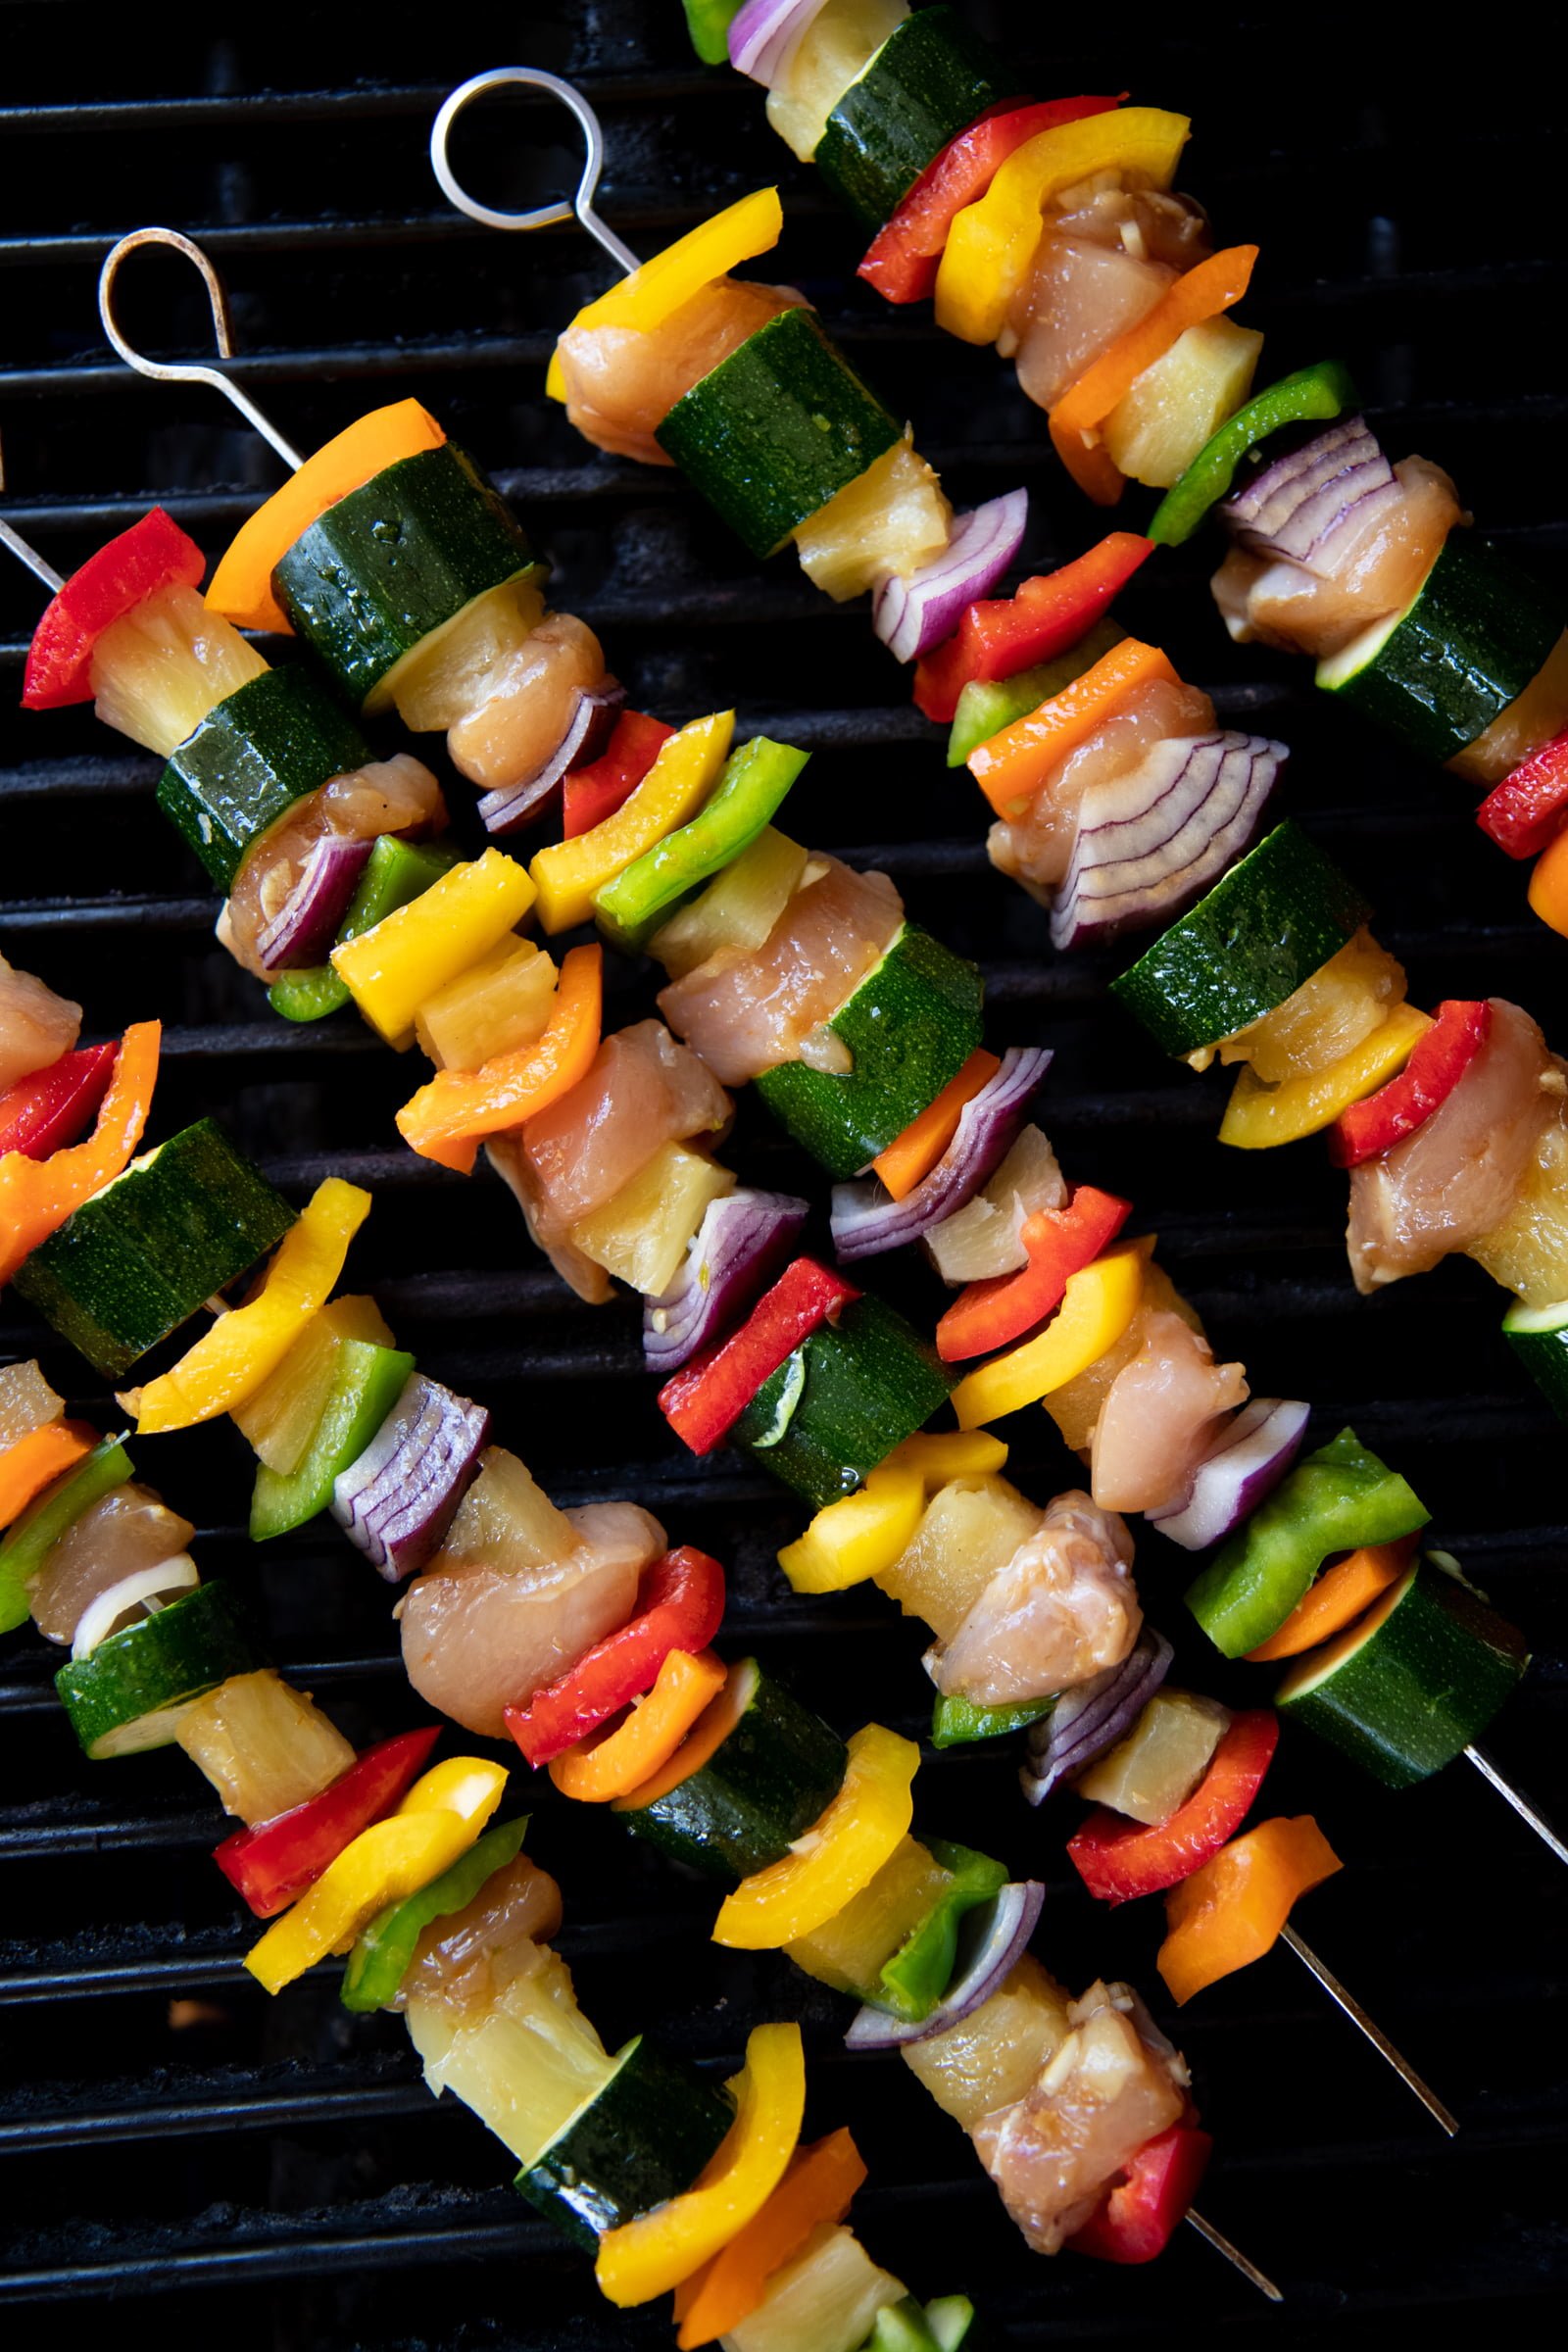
x: 36, y: 1461
x: 818, y: 2187
x: 612, y: 1765
x: 913, y: 1155
x: 1338, y: 1599
x: 1231, y: 1912
x: 445, y: 1120
x: 1548, y: 885
x: 242, y: 584
x: 1215, y: 285
x: 38, y: 1196
x: 1012, y: 766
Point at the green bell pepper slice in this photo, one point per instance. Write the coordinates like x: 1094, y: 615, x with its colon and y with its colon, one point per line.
x: 709, y: 21
x: 30, y: 1540
x: 644, y: 895
x: 385, y: 1951
x: 395, y: 873
x: 987, y: 704
x: 1333, y: 1501
x: 955, y: 1719
x: 943, y: 2326
x: 369, y: 1381
x: 914, y: 1980
x: 1314, y: 393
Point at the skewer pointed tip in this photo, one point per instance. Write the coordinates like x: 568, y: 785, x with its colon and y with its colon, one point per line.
x: 1234, y: 2256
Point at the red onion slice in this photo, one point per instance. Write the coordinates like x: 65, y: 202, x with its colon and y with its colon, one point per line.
x: 302, y: 929
x: 742, y: 1242
x: 397, y: 1502
x: 1309, y: 501
x: 1152, y: 839
x: 992, y: 1939
x: 912, y: 615
x: 592, y: 718
x: 766, y: 34
x: 1253, y: 1455
x: 866, y: 1219
x: 1092, y: 1717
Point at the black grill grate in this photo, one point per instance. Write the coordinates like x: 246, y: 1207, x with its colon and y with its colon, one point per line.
x: 278, y: 2168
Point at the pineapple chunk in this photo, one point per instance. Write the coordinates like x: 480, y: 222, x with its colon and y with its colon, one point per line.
x: 526, y: 2062
x: 159, y: 673
x: 279, y: 1420
x: 1076, y: 1408
x: 995, y: 2054
x: 499, y: 1003
x: 738, y: 910
x: 890, y: 520
x: 1327, y: 1017
x: 835, y: 50
x: 850, y: 1951
x: 971, y: 1528
x: 1156, y: 428
x: 262, y: 1745
x: 447, y: 674
x: 643, y: 1232
x: 506, y: 1520
x: 824, y: 2299
x: 1528, y: 1252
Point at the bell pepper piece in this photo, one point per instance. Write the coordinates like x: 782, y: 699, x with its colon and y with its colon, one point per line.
x: 1321, y: 391
x: 861, y: 1536
x: 842, y: 1852
x: 1260, y: 1117
x: 618, y: 1761
x: 1118, y: 1859
x: 1548, y: 886
x: 445, y: 1120
x: 153, y: 553
x: 1341, y: 1595
x: 38, y: 1196
x: 903, y: 255
x: 956, y: 1721
x: 949, y: 1454
x: 651, y: 294
x: 1530, y: 806
x: 707, y: 1398
x: 242, y: 584
x: 43, y: 1114
x: 913, y: 1156
x: 643, y: 896
x: 706, y: 1738
x: 1060, y: 1242
x: 33, y: 1532
x: 686, y: 768
x: 708, y: 23
x: 819, y: 2186
x: 1000, y: 635
x: 438, y: 1820
x: 230, y: 1361
x: 1335, y: 1500
x: 36, y: 1461
x: 1200, y: 293
x: 987, y: 704
x: 992, y: 243
x: 1098, y: 1303
x: 653, y: 2253
x: 385, y: 1951
x: 1013, y: 766
x: 588, y: 795
x: 395, y: 873
x: 393, y: 967
x: 1231, y: 1912
x: 680, y: 1605
x: 1149, y: 2203
x: 274, y: 1862
x: 1438, y: 1062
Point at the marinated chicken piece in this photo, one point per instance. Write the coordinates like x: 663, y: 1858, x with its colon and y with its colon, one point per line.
x: 1036, y: 848
x: 391, y: 796
x: 36, y: 1025
x: 1375, y: 572
x: 125, y: 1530
x: 1160, y: 1417
x: 579, y: 1271
x: 1459, y: 1174
x: 643, y: 1090
x: 1097, y: 270
x: 623, y: 381
x: 745, y: 1012
x: 460, y: 1960
x: 1062, y: 1610
x: 529, y: 702
x: 1076, y: 1408
x: 1114, y: 2084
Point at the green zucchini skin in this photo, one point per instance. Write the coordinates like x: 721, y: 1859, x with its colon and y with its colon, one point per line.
x: 930, y: 79
x: 1540, y: 1339
x: 771, y: 434
x: 910, y: 1027
x: 643, y: 2140
x: 121, y: 1698
x: 137, y: 1260
x: 1267, y: 925
x: 265, y: 747
x: 395, y: 560
x: 869, y: 1382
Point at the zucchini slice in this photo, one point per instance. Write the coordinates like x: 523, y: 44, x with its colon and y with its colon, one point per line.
x: 1539, y: 1337
x: 835, y: 1410
x: 930, y: 79
x: 264, y: 748
x: 129, y: 1694
x: 642, y: 2140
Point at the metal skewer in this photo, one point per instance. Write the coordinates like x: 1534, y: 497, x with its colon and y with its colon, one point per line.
x: 543, y: 216
x: 1373, y: 2032
x: 187, y: 372
x: 23, y: 552
x: 1519, y: 1801
x: 1234, y: 2256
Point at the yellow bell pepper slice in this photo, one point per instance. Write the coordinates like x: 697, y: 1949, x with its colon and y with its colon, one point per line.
x: 862, y: 1535
x: 398, y: 966
x: 711, y: 250
x: 1258, y: 1116
x: 568, y: 873
x: 654, y: 2253
x: 1097, y: 1305
x: 992, y: 243
x: 951, y: 1453
x: 841, y: 1852
x: 245, y: 1347
x: 438, y: 1820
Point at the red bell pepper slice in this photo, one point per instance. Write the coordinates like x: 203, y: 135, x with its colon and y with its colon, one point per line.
x: 591, y: 794
x: 680, y: 1605
x: 1440, y: 1059
x: 1530, y: 806
x: 152, y: 554
x: 1060, y: 1242
x: 1149, y: 2203
x: 1118, y: 1859
x: 906, y: 253
x: 1000, y: 635
x: 43, y: 1114
x: 275, y: 1861
x: 707, y: 1396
